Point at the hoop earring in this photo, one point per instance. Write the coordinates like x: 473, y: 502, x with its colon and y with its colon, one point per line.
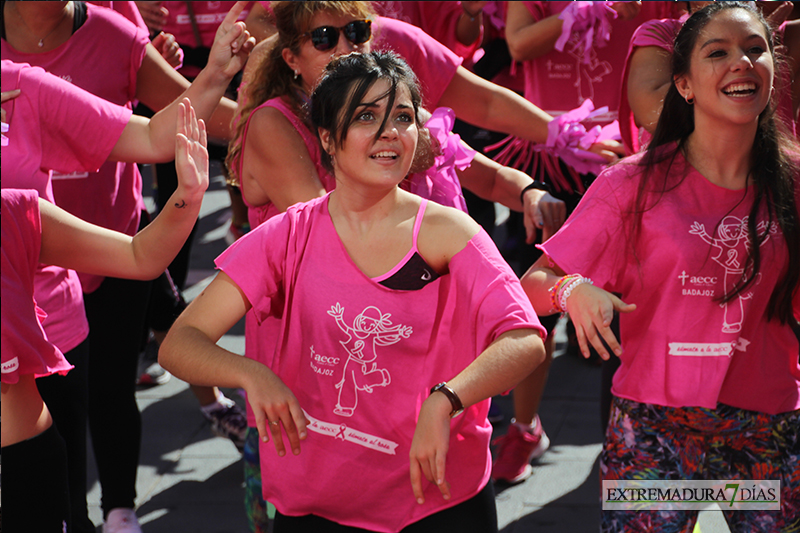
x: 689, y: 100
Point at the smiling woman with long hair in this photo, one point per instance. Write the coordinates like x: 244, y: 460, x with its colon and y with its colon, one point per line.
x: 700, y: 236
x: 395, y: 315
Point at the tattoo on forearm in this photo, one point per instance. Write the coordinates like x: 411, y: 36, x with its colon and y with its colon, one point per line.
x: 180, y: 205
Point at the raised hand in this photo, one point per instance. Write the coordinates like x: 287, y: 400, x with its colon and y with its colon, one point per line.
x: 169, y: 49
x: 591, y: 310
x: 191, y: 155
x: 232, y: 44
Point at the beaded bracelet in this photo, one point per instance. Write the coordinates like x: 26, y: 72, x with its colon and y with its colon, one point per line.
x: 566, y: 290
x: 555, y: 288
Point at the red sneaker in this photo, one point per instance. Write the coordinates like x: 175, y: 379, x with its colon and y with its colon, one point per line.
x: 516, y: 450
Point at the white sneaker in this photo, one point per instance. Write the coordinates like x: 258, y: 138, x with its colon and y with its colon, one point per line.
x: 121, y: 520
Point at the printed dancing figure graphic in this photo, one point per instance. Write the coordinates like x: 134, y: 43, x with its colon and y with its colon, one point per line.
x: 732, y: 233
x: 370, y: 329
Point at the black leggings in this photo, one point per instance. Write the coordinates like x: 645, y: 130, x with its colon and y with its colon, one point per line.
x: 116, y: 313
x: 476, y: 515
x: 35, y: 488
x: 67, y: 398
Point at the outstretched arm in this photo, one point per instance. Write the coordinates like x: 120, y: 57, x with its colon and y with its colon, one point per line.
x: 146, y: 141
x: 73, y: 243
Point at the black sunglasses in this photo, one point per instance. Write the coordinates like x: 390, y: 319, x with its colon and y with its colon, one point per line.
x: 326, y: 37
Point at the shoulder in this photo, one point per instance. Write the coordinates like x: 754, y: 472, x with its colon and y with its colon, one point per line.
x: 659, y: 32
x: 444, y: 232
x: 103, y: 19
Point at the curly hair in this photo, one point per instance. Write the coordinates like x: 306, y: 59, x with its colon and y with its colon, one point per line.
x: 273, y: 77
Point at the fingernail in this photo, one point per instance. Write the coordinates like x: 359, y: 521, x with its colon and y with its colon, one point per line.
x: 264, y: 439
x: 303, y: 435
x: 446, y: 496
x: 420, y: 501
x: 281, y: 453
x: 296, y: 452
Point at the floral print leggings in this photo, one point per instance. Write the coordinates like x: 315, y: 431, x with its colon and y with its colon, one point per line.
x: 645, y: 441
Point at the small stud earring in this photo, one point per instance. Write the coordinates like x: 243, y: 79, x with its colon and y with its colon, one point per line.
x: 296, y: 74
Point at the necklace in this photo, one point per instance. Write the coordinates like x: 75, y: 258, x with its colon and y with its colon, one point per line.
x: 40, y: 44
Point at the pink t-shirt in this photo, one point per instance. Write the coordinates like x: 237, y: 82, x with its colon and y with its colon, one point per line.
x: 126, y: 9
x: 437, y: 19
x: 208, y: 16
x: 111, y: 197
x: 54, y: 124
x: 681, y: 346
x: 560, y: 81
x: 361, y: 359
x: 25, y: 349
x: 432, y: 62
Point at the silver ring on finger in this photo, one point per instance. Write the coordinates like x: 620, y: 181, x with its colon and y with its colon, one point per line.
x: 277, y: 423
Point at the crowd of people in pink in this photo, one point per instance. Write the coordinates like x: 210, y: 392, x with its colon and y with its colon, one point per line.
x: 647, y: 152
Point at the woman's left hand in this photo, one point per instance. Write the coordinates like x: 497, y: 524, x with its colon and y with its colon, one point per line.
x: 429, y: 446
x: 542, y: 211
x: 232, y: 44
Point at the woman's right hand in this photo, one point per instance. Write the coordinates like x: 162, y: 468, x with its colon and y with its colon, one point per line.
x: 275, y: 406
x: 591, y: 310
x: 191, y: 155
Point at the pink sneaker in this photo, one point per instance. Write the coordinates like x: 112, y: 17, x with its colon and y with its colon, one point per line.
x: 516, y: 450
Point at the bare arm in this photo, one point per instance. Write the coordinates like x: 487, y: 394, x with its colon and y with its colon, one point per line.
x: 590, y: 308
x: 528, y: 38
x: 146, y: 141
x: 158, y: 85
x: 649, y: 79
x: 490, y: 106
x: 494, y: 182
x: 73, y: 243
x: 259, y: 23
x: 277, y: 165
x: 509, y: 359
x: 191, y: 353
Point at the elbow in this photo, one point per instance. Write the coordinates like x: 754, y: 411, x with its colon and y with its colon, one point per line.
x: 514, y: 50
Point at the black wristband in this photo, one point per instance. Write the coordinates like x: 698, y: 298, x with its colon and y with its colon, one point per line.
x: 455, y: 401
x: 539, y: 185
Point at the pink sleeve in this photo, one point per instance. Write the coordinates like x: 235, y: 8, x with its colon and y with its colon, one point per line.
x: 24, y: 345
x: 78, y: 128
x: 432, y: 62
x: 257, y: 262
x: 126, y: 9
x: 589, y: 241
x: 440, y: 20
x: 492, y: 292
x: 658, y: 33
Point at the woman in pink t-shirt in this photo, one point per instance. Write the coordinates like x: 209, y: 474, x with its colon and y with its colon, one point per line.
x: 700, y: 235
x: 34, y: 231
x: 363, y: 343
x: 78, y: 42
